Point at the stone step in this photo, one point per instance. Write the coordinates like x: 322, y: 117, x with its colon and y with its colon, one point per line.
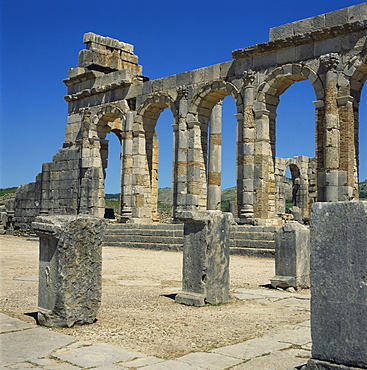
x: 154, y: 246
x: 150, y: 226
x: 253, y: 252
x: 126, y: 238
x: 243, y: 235
x: 243, y: 243
x: 145, y: 232
x: 253, y: 241
x: 247, y: 228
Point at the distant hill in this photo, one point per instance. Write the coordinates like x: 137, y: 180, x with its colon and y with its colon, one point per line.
x: 7, y: 195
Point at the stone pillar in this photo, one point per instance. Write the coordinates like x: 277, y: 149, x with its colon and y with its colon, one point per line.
x: 348, y: 176
x: 180, y: 171
x: 195, y: 191
x: 127, y: 169
x: 338, y: 286
x: 154, y: 177
x: 320, y: 133
x: 292, y: 257
x: 215, y: 158
x: 141, y: 211
x: 246, y: 153
x: 205, y: 258
x: 264, y: 181
x: 331, y: 129
x: 70, y: 269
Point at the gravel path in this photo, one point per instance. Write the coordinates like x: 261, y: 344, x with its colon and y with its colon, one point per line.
x: 138, y: 311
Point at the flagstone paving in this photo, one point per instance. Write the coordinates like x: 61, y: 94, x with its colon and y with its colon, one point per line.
x: 27, y: 346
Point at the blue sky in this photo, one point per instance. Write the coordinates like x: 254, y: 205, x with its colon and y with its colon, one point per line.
x: 40, y: 41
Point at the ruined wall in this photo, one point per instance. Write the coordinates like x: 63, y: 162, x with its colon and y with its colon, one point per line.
x: 107, y: 93
x: 302, y: 188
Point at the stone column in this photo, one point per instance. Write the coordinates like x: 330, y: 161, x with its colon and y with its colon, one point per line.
x: 331, y: 129
x: 215, y: 158
x: 292, y: 257
x: 70, y: 269
x: 338, y: 286
x: 320, y: 133
x: 205, y: 258
x: 141, y: 210
x: 180, y: 171
x: 348, y: 174
x: 264, y: 181
x: 246, y: 152
x: 127, y: 169
x: 194, y: 166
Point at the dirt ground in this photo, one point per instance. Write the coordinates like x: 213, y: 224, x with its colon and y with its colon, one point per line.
x: 138, y: 311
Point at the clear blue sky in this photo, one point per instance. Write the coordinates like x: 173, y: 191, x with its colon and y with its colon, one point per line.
x: 40, y: 41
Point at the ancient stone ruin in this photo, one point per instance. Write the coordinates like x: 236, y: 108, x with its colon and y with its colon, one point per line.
x: 339, y: 286
x: 107, y: 92
x: 70, y: 269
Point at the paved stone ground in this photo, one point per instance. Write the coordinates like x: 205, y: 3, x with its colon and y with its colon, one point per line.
x: 26, y: 346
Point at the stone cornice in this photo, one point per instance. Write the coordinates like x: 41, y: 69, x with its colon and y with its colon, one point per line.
x: 306, y: 38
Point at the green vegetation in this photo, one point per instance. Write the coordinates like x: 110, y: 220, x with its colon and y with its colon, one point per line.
x: 7, y: 191
x: 164, y: 206
x: 113, y: 203
x: 288, y: 204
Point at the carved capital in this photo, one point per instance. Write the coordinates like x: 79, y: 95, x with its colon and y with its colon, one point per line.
x: 183, y: 92
x: 330, y: 61
x: 249, y: 77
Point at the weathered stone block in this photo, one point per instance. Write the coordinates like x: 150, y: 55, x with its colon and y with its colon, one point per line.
x: 70, y: 268
x: 339, y: 285
x: 205, y: 258
x: 292, y: 256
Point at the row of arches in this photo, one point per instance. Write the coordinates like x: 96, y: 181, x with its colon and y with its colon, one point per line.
x: 199, y: 110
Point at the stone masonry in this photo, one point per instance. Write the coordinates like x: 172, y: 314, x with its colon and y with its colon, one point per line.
x: 292, y: 256
x: 339, y: 286
x: 70, y: 269
x: 107, y: 92
x: 205, y: 258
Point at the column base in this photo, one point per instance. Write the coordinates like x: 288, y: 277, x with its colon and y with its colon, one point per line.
x: 296, y: 282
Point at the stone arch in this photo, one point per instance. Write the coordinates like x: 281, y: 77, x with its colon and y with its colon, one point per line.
x: 149, y: 111
x: 109, y: 118
x: 276, y: 83
x: 206, y: 168
x: 356, y: 70
x: 106, y: 119
x: 209, y: 95
x: 280, y: 79
x: 145, y: 138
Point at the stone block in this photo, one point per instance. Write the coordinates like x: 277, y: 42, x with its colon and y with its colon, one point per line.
x: 328, y: 46
x: 281, y: 32
x: 338, y: 17
x: 339, y: 285
x: 309, y: 24
x: 70, y: 268
x: 357, y: 13
x: 292, y: 256
x: 205, y: 258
